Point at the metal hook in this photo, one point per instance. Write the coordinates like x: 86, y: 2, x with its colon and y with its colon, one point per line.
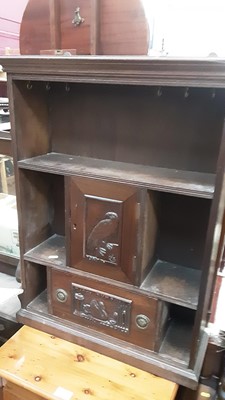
x: 159, y: 91
x: 213, y: 93
x: 77, y: 20
x: 48, y: 86
x: 67, y: 87
x: 29, y: 85
x: 186, y: 93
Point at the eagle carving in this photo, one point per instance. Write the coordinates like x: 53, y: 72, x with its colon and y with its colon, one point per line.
x: 98, y: 241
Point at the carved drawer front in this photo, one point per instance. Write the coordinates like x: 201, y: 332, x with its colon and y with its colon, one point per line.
x: 122, y: 313
x: 106, y: 228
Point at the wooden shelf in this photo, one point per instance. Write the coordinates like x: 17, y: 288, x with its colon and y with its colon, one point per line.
x: 163, y: 179
x: 49, y: 253
x: 9, y: 259
x: 40, y: 303
x: 167, y: 281
x: 174, y: 283
x: 5, y: 136
x: 177, y: 342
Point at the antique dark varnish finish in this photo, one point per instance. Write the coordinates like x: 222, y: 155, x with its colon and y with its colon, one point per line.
x: 106, y: 308
x: 109, y: 223
x: 119, y: 172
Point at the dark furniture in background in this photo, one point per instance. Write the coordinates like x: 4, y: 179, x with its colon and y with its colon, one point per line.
x: 89, y: 27
x: 120, y: 168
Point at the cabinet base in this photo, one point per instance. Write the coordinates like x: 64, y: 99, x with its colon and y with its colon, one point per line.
x: 155, y: 363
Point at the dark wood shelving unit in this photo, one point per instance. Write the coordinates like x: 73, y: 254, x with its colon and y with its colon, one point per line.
x: 171, y: 180
x: 120, y: 192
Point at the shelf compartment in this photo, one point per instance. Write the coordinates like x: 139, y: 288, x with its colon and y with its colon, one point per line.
x: 190, y: 183
x: 174, y: 283
x: 51, y: 252
x: 40, y: 303
x: 177, y: 342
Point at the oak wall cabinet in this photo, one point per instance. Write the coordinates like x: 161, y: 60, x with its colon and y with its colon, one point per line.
x: 119, y: 170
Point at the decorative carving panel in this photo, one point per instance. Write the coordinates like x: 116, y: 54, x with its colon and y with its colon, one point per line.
x: 102, y: 230
x: 101, y: 308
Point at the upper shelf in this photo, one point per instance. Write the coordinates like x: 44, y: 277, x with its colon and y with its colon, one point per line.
x: 51, y: 252
x: 133, y: 70
x: 163, y: 179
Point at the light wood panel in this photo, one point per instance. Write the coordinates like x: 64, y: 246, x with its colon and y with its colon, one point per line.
x: 47, y: 366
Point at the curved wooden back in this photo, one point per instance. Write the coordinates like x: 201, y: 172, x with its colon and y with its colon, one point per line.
x: 109, y: 27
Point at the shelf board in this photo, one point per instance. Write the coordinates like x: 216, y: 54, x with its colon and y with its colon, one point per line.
x: 177, y: 342
x: 40, y: 303
x: 51, y: 252
x: 174, y: 283
x: 4, y: 135
x: 162, y: 179
x: 9, y: 259
x: 167, y: 281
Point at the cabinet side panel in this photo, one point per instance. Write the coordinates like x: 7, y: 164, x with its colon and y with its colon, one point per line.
x: 209, y: 267
x: 149, y: 227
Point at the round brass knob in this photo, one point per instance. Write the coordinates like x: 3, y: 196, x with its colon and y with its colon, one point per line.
x: 61, y: 295
x: 142, y: 321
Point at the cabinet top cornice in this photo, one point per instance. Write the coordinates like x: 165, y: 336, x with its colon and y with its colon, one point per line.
x: 119, y: 70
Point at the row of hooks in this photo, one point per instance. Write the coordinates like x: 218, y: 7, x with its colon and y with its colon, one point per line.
x: 186, y: 92
x: 47, y: 86
x: 159, y: 91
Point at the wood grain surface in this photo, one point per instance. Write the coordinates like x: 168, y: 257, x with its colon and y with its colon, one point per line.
x: 34, y: 361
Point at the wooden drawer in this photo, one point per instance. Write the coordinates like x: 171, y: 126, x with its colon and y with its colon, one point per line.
x: 112, y: 228
x: 15, y: 392
x: 125, y: 314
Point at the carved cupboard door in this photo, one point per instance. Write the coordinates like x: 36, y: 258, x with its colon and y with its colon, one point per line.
x: 103, y: 228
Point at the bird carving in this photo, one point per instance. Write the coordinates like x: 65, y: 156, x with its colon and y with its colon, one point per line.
x: 97, y: 242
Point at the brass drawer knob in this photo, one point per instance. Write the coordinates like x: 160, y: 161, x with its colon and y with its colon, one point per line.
x: 61, y: 295
x: 142, y: 321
